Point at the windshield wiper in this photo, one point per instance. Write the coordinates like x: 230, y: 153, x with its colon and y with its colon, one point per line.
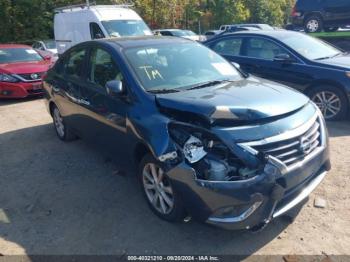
x: 163, y: 91
x: 329, y: 57
x: 210, y: 83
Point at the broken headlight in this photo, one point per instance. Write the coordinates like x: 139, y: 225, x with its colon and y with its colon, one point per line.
x: 193, y: 150
x: 190, y: 144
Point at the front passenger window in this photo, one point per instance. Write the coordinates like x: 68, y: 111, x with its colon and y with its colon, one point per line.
x: 103, y: 68
x: 263, y: 49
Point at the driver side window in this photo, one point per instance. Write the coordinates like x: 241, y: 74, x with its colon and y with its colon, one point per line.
x: 102, y: 68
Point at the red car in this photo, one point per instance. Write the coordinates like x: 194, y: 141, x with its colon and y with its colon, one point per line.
x: 21, y: 71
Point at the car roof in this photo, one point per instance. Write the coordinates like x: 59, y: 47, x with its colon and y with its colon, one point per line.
x: 129, y: 42
x: 7, y: 46
x: 271, y: 33
x: 174, y: 29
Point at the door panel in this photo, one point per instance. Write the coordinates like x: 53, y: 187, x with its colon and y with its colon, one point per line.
x: 338, y: 10
x: 258, y: 59
x: 67, y: 87
x: 104, y: 116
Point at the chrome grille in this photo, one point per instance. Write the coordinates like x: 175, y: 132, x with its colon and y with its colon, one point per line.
x: 31, y: 77
x: 295, y: 149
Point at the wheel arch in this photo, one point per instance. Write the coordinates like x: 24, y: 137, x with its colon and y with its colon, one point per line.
x: 318, y: 14
x: 326, y: 82
x: 139, y: 152
x: 52, y: 105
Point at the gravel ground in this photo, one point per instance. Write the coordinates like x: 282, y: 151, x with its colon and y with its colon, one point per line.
x: 68, y: 198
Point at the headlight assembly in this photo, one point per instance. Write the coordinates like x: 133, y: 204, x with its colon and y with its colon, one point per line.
x: 8, y: 78
x: 193, y: 150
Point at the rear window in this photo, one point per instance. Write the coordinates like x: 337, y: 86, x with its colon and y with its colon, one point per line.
x: 13, y: 55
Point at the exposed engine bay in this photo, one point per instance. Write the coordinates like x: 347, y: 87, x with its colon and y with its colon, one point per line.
x: 211, y: 158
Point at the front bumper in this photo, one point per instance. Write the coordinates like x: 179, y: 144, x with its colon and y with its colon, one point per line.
x: 21, y: 89
x: 204, y: 200
x: 252, y: 203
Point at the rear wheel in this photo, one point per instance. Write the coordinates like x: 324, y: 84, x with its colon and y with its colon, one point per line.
x: 331, y: 101
x: 159, y: 192
x: 313, y: 24
x: 61, y: 128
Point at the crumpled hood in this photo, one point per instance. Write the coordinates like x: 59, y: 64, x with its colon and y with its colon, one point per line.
x: 246, y: 100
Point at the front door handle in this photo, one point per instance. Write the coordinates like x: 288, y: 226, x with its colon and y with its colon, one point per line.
x: 84, y: 102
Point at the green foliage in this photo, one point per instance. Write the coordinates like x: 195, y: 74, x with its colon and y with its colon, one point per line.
x: 23, y: 20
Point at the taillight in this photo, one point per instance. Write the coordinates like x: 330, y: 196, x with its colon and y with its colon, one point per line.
x: 295, y: 12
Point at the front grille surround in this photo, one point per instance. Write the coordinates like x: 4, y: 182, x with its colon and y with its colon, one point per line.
x: 293, y: 147
x: 29, y: 77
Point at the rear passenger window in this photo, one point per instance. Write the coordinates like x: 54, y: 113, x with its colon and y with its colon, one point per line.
x: 75, y: 62
x: 263, y: 49
x: 103, y: 68
x: 230, y: 46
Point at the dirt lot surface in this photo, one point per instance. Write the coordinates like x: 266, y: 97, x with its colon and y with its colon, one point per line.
x: 67, y: 198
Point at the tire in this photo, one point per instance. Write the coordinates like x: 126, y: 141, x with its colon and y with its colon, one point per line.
x: 331, y: 100
x: 313, y: 24
x: 331, y: 29
x: 172, y: 209
x: 62, y: 130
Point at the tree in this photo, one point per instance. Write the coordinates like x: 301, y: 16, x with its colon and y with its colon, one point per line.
x: 23, y: 20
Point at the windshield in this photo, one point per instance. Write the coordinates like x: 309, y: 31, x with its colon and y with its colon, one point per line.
x: 310, y: 47
x: 190, y: 33
x: 117, y: 28
x: 178, y: 66
x: 179, y: 33
x: 50, y: 44
x: 12, y: 55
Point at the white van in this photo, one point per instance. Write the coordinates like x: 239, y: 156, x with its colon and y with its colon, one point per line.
x: 80, y: 23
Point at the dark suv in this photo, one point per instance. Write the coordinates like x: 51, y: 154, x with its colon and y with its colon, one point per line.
x: 209, y: 141
x: 318, y: 15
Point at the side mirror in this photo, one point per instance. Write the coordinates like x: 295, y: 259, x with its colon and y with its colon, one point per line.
x: 283, y: 58
x: 236, y: 65
x: 114, y: 88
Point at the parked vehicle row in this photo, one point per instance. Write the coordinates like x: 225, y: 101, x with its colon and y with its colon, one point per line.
x: 210, y: 141
x: 179, y: 33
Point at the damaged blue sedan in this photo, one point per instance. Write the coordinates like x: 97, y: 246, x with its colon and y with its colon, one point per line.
x: 209, y: 141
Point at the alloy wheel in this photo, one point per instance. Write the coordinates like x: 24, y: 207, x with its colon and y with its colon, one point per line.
x: 58, y: 121
x: 158, y: 189
x: 328, y: 102
x: 312, y: 25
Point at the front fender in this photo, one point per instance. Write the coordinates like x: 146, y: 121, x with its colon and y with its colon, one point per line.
x: 151, y: 128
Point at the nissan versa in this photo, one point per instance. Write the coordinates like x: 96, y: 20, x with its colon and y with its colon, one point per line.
x: 209, y: 141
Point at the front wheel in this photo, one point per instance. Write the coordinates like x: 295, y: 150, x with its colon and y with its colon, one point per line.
x: 313, y: 24
x: 159, y: 191
x: 331, y: 101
